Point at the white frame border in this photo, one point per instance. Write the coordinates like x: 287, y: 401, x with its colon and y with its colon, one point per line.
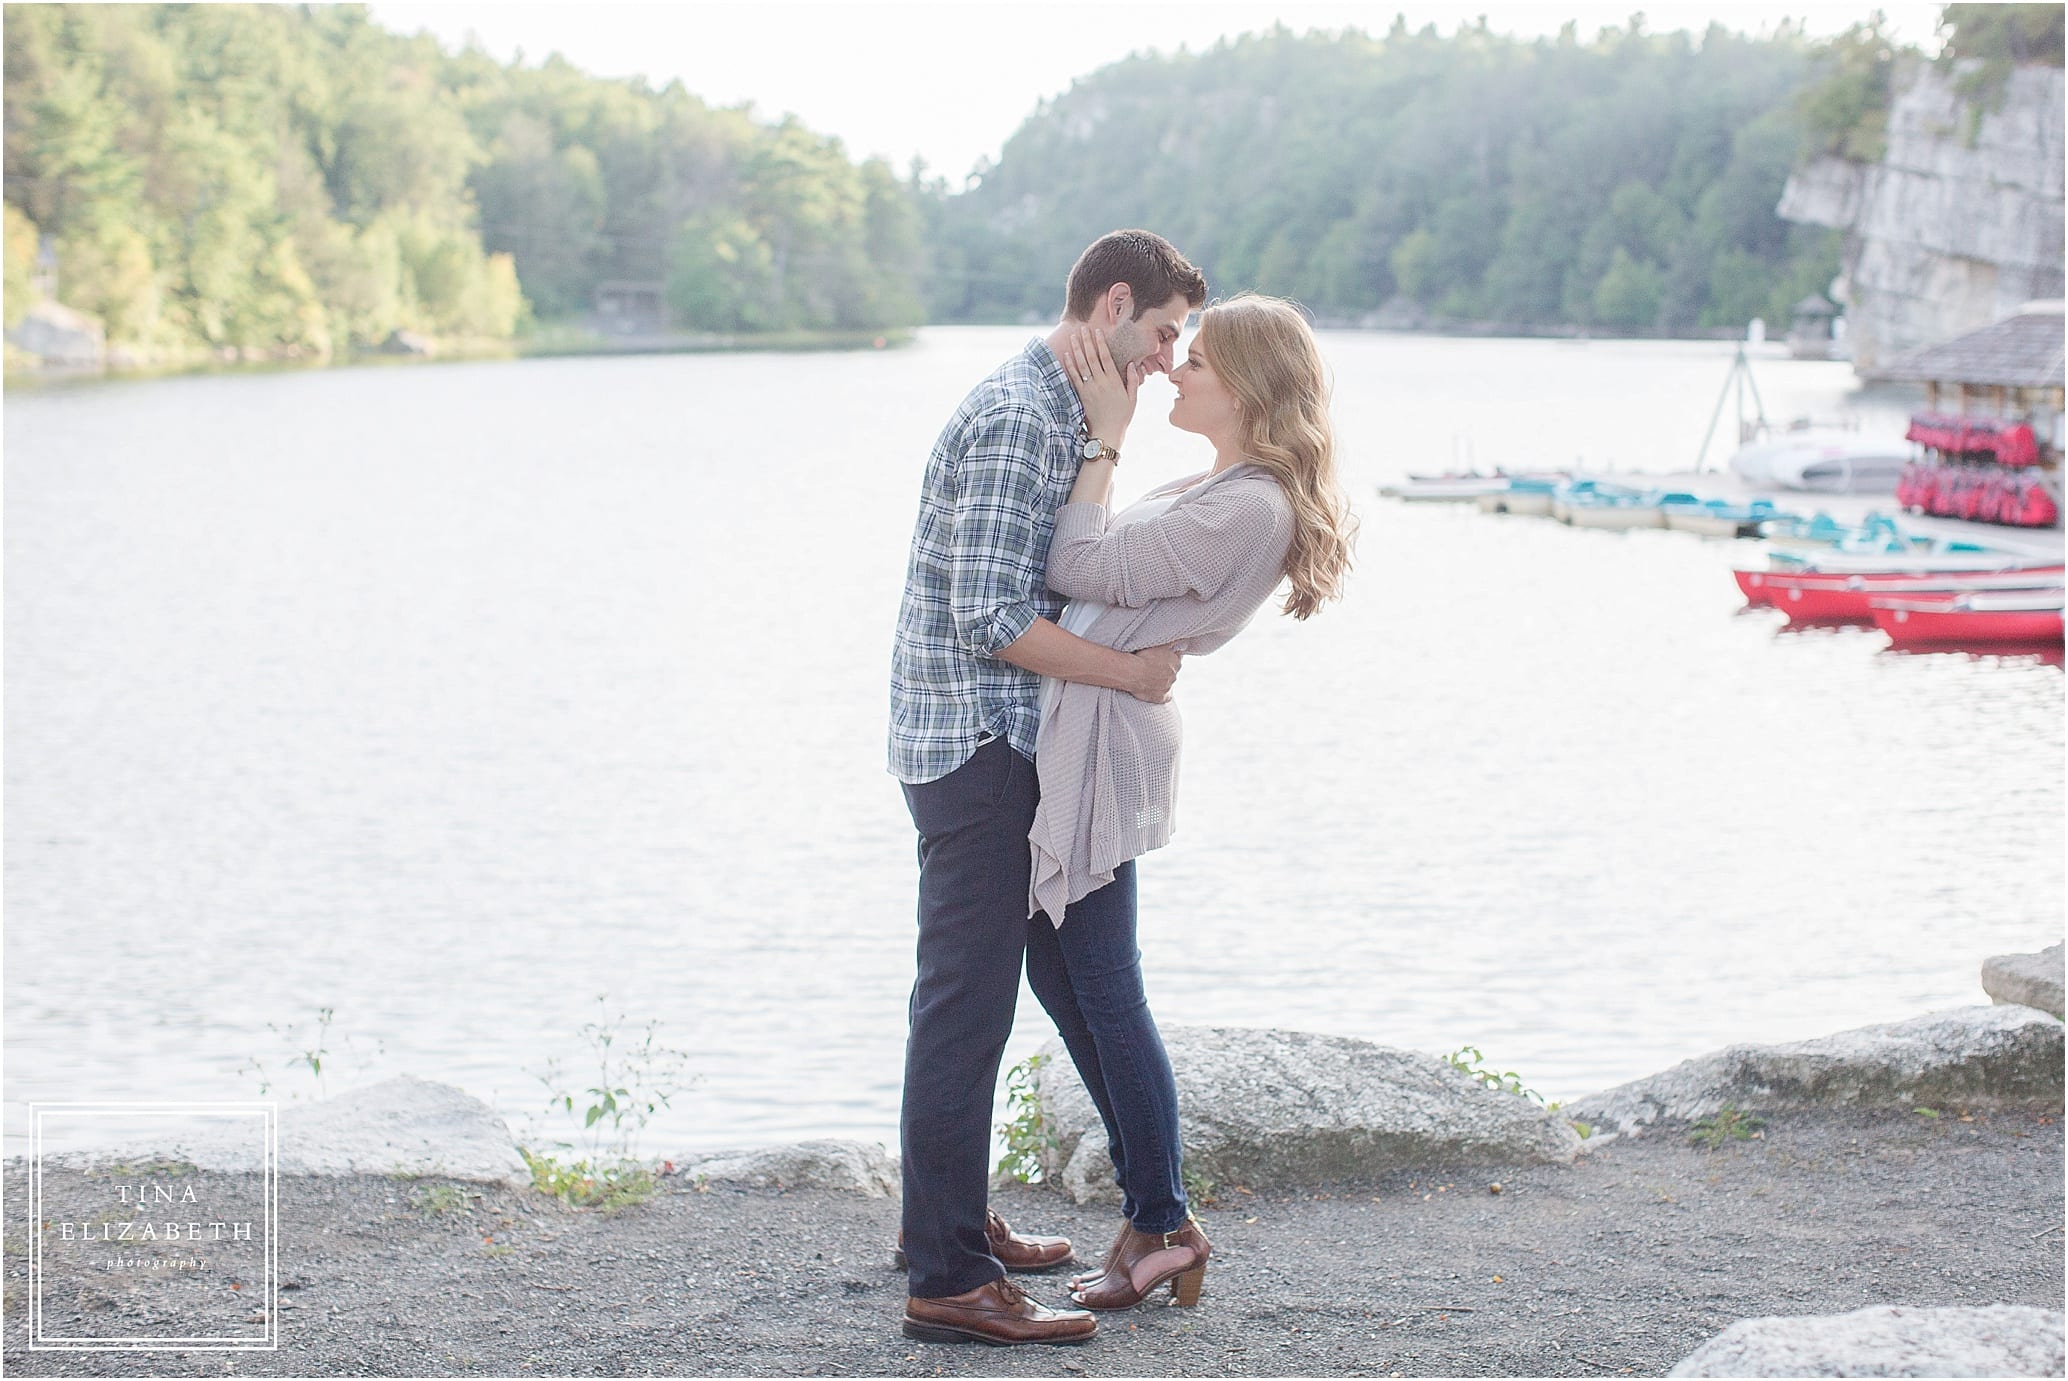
x: 269, y: 1114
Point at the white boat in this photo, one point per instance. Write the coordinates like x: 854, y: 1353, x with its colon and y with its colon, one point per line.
x: 1703, y: 524
x: 1717, y: 517
x: 1825, y: 460
x: 1535, y: 503
x: 1918, y: 562
x: 1615, y: 516
x: 1445, y: 489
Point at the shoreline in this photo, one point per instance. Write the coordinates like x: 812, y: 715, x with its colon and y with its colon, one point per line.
x: 1916, y: 1165
x: 558, y: 341
x: 548, y: 345
x: 1618, y: 1264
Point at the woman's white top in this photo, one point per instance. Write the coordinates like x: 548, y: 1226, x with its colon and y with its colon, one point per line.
x: 1188, y: 572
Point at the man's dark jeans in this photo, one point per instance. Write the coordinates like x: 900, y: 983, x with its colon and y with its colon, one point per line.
x: 974, y: 935
x: 974, y: 869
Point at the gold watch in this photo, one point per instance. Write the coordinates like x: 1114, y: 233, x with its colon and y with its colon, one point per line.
x: 1095, y: 449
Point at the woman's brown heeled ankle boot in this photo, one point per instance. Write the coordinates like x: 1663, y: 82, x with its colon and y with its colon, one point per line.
x: 1142, y: 1261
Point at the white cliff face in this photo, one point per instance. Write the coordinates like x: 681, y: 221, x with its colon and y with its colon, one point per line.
x: 1947, y: 233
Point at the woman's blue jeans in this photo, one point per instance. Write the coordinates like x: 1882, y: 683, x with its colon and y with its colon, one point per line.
x: 1088, y: 975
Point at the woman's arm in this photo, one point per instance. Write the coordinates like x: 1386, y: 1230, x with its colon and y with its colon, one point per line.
x: 1190, y: 548
x: 1094, y: 482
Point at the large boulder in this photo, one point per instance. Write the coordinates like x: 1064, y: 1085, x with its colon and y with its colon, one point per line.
x: 2030, y: 980
x: 849, y: 1166
x: 403, y: 1125
x: 1887, y: 1340
x: 400, y: 1126
x: 1288, y: 1108
x: 1966, y: 1056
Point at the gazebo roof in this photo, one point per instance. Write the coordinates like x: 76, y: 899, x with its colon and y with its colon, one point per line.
x: 2022, y: 351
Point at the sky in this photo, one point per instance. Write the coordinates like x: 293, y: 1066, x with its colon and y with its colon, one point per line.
x: 950, y: 82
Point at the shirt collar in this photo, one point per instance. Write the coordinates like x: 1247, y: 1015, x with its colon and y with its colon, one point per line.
x: 1064, y: 406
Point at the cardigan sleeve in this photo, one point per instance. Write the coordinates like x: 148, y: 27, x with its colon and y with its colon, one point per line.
x: 1189, y: 548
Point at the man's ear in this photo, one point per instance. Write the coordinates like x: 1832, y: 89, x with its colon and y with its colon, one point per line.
x: 1119, y: 303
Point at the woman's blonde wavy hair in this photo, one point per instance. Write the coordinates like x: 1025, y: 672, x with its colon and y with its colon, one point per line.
x: 1262, y: 349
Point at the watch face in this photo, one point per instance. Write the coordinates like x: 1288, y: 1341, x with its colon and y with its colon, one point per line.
x: 1092, y: 448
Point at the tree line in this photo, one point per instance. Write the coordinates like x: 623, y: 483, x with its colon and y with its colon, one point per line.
x: 1623, y: 182
x: 1628, y: 181
x: 294, y: 180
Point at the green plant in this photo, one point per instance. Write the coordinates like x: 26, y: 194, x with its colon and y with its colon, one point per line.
x: 1029, y: 1140
x: 1199, y: 1188
x: 1728, y: 1123
x: 312, y: 1051
x: 154, y: 1169
x: 631, y: 1082
x: 1932, y: 1113
x: 436, y: 1199
x: 1507, y: 1081
x: 580, y: 1184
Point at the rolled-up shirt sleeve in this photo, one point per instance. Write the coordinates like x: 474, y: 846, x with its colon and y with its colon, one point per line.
x: 1191, y: 548
x: 1000, y: 481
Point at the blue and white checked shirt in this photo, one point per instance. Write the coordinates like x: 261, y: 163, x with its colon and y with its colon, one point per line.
x: 1002, y: 467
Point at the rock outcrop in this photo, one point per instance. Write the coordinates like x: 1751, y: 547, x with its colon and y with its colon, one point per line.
x: 848, y: 1166
x: 1957, y: 225
x: 1965, y: 1056
x: 2030, y: 980
x: 400, y: 1126
x: 1887, y: 1340
x: 1284, y: 1108
x: 58, y: 335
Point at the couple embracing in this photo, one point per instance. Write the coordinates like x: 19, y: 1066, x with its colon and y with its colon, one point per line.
x: 1033, y: 731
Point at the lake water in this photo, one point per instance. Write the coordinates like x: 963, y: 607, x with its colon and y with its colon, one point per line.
x: 452, y: 697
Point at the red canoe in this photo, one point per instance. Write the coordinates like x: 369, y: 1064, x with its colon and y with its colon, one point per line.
x: 2011, y: 618
x: 1816, y: 597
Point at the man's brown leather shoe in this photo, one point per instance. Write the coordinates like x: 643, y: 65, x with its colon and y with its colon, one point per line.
x: 1015, y: 1251
x: 998, y: 1313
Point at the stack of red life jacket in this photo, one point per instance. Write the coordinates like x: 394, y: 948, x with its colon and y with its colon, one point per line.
x: 2007, y: 443
x: 1989, y: 476
x: 1978, y: 493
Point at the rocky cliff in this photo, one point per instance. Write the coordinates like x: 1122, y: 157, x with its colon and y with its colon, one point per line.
x: 1961, y: 220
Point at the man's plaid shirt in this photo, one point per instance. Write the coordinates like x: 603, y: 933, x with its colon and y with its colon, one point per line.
x: 1002, y: 467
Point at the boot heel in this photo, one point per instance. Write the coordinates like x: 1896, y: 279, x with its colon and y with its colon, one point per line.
x: 1185, y: 1289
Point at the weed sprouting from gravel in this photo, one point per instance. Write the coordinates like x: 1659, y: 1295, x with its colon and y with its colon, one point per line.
x: 631, y: 1082
x: 1728, y: 1123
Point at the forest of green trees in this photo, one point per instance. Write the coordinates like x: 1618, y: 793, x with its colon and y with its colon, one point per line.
x: 294, y: 180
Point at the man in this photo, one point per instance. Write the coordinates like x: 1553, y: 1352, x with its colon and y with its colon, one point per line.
x: 976, y: 633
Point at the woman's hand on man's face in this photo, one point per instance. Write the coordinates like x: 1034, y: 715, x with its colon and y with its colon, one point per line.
x: 1107, y: 390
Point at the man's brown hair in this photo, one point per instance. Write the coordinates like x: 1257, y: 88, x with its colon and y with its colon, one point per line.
x: 1150, y: 265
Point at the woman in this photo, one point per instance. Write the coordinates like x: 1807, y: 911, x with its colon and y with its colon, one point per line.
x: 1189, y: 564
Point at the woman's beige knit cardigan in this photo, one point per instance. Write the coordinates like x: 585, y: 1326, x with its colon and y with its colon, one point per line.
x: 1192, y: 575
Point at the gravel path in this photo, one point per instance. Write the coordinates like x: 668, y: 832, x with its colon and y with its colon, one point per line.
x: 1618, y: 1265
